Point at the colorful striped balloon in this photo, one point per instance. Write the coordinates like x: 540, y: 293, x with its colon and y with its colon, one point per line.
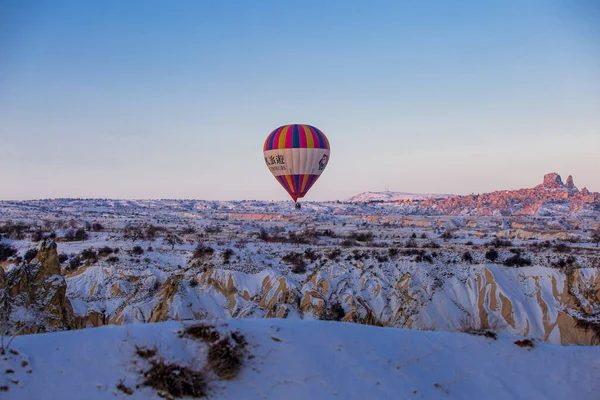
x: 296, y: 155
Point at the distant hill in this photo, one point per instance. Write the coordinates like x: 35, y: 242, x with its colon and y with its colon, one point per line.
x: 551, y: 197
x: 393, y: 196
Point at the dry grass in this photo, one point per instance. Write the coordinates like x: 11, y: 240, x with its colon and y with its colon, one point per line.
x: 203, y: 331
x: 145, y: 352
x: 127, y: 390
x: 226, y: 356
x: 177, y: 380
x: 525, y: 343
x: 474, y: 326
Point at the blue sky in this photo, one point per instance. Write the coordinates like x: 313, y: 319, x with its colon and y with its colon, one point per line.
x: 160, y: 99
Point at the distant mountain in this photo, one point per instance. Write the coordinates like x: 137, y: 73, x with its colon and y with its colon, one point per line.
x: 551, y: 197
x: 366, y: 197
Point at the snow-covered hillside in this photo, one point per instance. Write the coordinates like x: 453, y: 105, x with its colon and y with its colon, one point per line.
x: 287, y: 359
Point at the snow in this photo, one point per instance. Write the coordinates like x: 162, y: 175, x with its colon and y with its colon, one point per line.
x: 296, y: 359
x: 393, y: 196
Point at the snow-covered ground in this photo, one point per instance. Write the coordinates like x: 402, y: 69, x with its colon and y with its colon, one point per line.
x: 288, y: 359
x: 393, y: 196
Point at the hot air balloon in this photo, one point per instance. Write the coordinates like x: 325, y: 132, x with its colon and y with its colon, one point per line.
x: 296, y: 155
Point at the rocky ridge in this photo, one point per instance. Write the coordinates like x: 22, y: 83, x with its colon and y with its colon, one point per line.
x: 551, y: 198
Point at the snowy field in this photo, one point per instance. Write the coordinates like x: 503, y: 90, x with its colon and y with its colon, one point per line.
x: 303, y: 360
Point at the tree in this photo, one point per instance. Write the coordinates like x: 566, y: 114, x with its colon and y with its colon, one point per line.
x: 81, y: 234
x: 173, y: 239
x: 133, y: 232
x: 596, y: 236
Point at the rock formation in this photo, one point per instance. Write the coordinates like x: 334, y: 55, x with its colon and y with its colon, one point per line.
x: 552, y: 197
x: 570, y: 184
x: 552, y: 181
x: 33, y: 295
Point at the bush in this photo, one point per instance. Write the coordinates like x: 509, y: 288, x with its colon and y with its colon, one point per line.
x: 362, y: 236
x: 97, y: 227
x: 333, y: 312
x: 76, y: 235
x: 74, y: 263
x: 491, y: 255
x: 6, y: 251
x: 89, y: 254
x: 112, y: 259
x: 202, y: 250
x: 562, y: 248
x: 37, y: 236
x: 62, y: 257
x: 137, y: 250
x: 517, y: 261
x: 30, y: 255
x: 203, y: 331
x: 411, y: 243
x: 467, y: 257
x: 499, y: 243
x: 349, y: 243
x: 310, y: 255
x: 393, y: 252
x: 334, y: 254
x: 382, y: 258
x: 177, y: 380
x: 227, y: 255
x: 432, y: 245
x: 297, y: 260
x: 447, y: 235
x: 225, y: 357
x: 105, y: 251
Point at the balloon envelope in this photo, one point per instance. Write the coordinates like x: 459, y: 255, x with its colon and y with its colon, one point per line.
x: 296, y: 155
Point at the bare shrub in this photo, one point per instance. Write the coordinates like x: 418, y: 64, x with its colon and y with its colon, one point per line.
x: 177, y: 380
x: 297, y: 261
x: 491, y: 255
x: 333, y: 312
x: 203, y: 250
x: 334, y: 254
x: 172, y: 240
x: 145, y: 352
x: 105, y: 251
x: 121, y: 386
x: 362, y: 236
x: 467, y: 257
x: 310, y: 255
x: 517, y: 261
x: 225, y: 356
x: 497, y: 242
x: 137, y: 250
x: 447, y: 234
x: 474, y: 326
x: 525, y: 343
x: 203, y: 331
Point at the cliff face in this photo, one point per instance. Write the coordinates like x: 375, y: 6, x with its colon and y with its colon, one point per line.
x: 34, y: 294
x: 537, y: 301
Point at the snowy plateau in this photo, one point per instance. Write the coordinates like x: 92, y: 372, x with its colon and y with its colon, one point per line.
x: 484, y: 296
